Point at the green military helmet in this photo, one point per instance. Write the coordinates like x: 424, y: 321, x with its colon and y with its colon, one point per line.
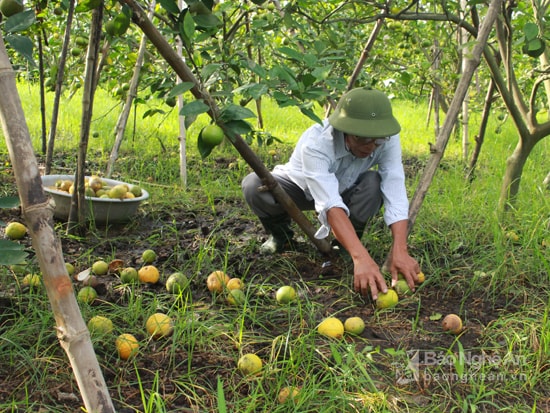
x: 365, y: 113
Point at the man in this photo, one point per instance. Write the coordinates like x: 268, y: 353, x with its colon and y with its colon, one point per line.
x: 331, y: 171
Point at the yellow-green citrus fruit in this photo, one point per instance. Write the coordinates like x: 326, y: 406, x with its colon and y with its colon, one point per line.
x: 136, y: 190
x: 421, y: 277
x: 11, y: 7
x: 212, y: 135
x: 216, y: 281
x: 249, y: 364
x: 87, y: 295
x: 70, y: 268
x: 235, y: 284
x: 176, y: 282
x: 127, y: 346
x: 159, y: 325
x: 100, y: 267
x: 387, y: 300
x: 149, y: 274
x: 148, y: 256
x: 402, y: 288
x: 100, y: 325
x: 32, y: 280
x: 285, y: 294
x: 118, y: 191
x: 288, y: 393
x: 129, y: 275
x: 452, y: 324
x: 512, y: 236
x: 235, y: 297
x: 331, y: 327
x: 354, y: 325
x: 95, y: 183
x: 16, y: 230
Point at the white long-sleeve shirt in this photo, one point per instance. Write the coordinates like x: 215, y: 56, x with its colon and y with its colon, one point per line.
x: 323, y: 168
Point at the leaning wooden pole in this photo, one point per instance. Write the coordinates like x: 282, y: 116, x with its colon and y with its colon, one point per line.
x: 38, y: 214
x: 184, y: 72
x: 454, y: 108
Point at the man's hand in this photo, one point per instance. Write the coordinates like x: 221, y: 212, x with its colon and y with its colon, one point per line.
x: 399, y: 260
x: 367, y: 277
x: 366, y: 273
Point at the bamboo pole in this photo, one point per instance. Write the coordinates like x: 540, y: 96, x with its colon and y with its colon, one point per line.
x: 37, y: 211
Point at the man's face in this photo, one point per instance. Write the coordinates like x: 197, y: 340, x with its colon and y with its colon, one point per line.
x: 363, y: 147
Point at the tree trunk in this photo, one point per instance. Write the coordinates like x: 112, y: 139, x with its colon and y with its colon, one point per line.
x: 59, y: 86
x: 512, y: 175
x: 454, y: 108
x: 185, y: 73
x: 78, y: 201
x: 482, y: 129
x: 120, y: 127
x: 38, y: 214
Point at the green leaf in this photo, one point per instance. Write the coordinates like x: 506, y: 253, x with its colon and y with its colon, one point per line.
x: 207, y: 20
x: 170, y: 6
x: 22, y: 45
x: 222, y: 405
x: 291, y: 53
x: 238, y: 127
x: 188, y: 27
x: 236, y: 112
x: 194, y: 108
x: 204, y: 149
x: 180, y: 89
x: 311, y: 114
x: 87, y: 5
x: 9, y: 202
x: 20, y: 21
x: 11, y: 252
x: 531, y: 31
x: 436, y: 316
x: 256, y: 68
x: 255, y: 90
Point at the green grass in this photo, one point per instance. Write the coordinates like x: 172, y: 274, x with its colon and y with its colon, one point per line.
x: 465, y: 251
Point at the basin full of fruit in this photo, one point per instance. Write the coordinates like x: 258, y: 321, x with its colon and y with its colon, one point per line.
x: 108, y: 200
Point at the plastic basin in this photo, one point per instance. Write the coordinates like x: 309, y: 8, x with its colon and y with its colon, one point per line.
x: 99, y: 210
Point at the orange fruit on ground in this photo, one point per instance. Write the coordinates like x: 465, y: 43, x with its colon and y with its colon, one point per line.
x: 235, y: 284
x: 148, y: 256
x: 149, y: 274
x: 100, y: 325
x: 387, y: 300
x: 87, y: 295
x: 159, y: 325
x: 216, y: 281
x: 235, y: 297
x: 452, y: 324
x: 250, y: 364
x: 129, y: 275
x: 285, y: 294
x: 288, y: 393
x: 32, y: 280
x: 331, y: 327
x: 16, y: 230
x: 126, y: 345
x: 421, y: 277
x: 354, y: 325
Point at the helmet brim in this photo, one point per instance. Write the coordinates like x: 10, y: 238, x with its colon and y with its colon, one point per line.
x: 372, y: 128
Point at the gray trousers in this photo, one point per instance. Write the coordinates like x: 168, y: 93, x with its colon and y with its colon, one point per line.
x: 364, y: 198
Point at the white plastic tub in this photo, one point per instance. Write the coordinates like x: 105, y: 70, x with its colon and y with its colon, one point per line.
x: 100, y: 210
